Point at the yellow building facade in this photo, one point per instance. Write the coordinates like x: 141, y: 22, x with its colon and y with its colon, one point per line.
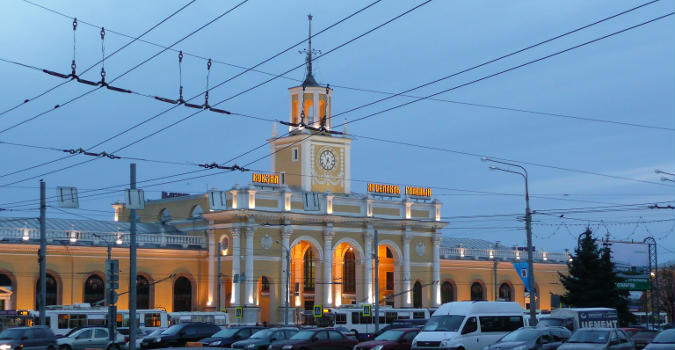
x: 292, y: 238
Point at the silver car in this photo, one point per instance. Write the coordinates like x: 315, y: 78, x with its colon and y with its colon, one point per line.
x: 90, y: 337
x: 598, y: 338
x: 663, y: 341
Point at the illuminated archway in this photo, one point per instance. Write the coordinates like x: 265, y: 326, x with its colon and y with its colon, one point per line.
x: 305, y: 267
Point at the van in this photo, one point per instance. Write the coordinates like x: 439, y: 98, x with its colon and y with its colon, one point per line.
x: 469, y: 325
x: 575, y: 318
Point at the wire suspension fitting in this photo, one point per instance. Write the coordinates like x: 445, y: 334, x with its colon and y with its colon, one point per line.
x: 73, y: 66
x: 91, y: 154
x: 103, y: 83
x: 218, y: 166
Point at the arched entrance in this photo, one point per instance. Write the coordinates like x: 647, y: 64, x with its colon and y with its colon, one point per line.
x: 505, y: 292
x: 143, y: 296
x: 94, y: 290
x: 182, y: 294
x: 305, y: 267
x: 263, y: 300
x: 52, y: 291
x: 417, y: 294
x: 389, y: 256
x: 7, y: 291
x: 477, y: 291
x: 447, y: 292
x: 347, y: 270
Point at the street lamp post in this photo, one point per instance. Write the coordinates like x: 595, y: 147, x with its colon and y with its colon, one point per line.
x: 112, y: 310
x: 528, y: 229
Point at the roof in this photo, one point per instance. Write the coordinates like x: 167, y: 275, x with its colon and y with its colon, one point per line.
x: 471, y: 243
x: 479, y: 307
x: 58, y: 224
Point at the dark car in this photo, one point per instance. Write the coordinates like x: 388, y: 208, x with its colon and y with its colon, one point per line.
x: 598, y: 338
x: 530, y: 338
x: 179, y: 334
x: 413, y: 323
x: 642, y: 338
x: 28, y: 338
x: 663, y: 341
x: 262, y: 339
x: 393, y: 339
x: 225, y: 337
x: 317, y: 338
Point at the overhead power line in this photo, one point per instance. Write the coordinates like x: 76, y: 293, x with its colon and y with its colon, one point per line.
x: 127, y: 71
x: 368, y: 90
x: 134, y: 39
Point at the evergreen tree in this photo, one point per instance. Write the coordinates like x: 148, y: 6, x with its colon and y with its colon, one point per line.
x: 592, y: 279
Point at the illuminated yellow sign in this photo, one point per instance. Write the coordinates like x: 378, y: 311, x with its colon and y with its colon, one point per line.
x: 384, y: 189
x: 418, y: 191
x: 266, y: 178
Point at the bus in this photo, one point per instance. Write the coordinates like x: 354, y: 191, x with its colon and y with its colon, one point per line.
x: 62, y: 319
x: 214, y: 317
x: 15, y: 318
x: 351, y: 317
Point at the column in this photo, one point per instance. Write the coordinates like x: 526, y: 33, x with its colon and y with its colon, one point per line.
x: 212, y: 267
x: 407, y: 297
x: 285, y: 250
x: 236, y: 261
x: 249, y: 281
x: 368, y: 264
x: 436, y: 288
x: 327, y: 265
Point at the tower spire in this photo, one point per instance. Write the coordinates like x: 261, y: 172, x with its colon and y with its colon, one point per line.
x: 309, y: 78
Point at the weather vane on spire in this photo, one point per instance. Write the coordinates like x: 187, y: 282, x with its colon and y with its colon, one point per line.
x: 309, y: 79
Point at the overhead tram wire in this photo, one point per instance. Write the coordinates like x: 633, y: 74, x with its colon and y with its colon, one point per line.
x: 520, y: 110
x: 134, y: 39
x: 199, y: 111
x: 129, y: 70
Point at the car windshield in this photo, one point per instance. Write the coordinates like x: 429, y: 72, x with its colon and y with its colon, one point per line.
x: 226, y: 333
x: 589, y: 336
x: 445, y: 323
x: 173, y: 330
x: 262, y: 334
x: 390, y: 335
x: 11, y: 334
x: 156, y: 332
x: 665, y: 337
x: 303, y: 335
x: 522, y: 334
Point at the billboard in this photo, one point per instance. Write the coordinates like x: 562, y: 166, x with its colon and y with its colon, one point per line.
x: 631, y: 261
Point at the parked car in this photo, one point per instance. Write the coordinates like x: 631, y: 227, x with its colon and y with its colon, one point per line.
x: 663, y: 341
x: 139, y: 339
x: 28, y: 338
x: 393, y: 339
x: 642, y: 338
x: 317, y: 338
x: 413, y: 323
x: 598, y: 338
x: 226, y: 337
x: 90, y: 337
x: 530, y: 338
x: 575, y: 318
x: 179, y: 334
x: 263, y: 338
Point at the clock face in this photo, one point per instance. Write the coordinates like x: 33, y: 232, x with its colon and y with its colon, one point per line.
x: 327, y: 160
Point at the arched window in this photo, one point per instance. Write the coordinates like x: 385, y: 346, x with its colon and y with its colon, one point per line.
x: 52, y: 291
x: 142, y: 293
x: 417, y: 295
x: 164, y: 216
x: 447, y: 292
x: 6, y: 297
x: 5, y: 281
x: 182, y: 294
x: 196, y: 212
x: 224, y: 245
x: 349, y: 272
x: 505, y: 292
x: 476, y: 291
x: 94, y: 289
x: 308, y: 270
x: 264, y: 285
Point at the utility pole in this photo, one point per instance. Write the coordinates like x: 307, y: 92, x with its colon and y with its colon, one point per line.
x: 377, y: 282
x: 494, y: 270
x: 42, y: 254
x: 218, y: 280
x: 132, y: 265
x: 287, y: 287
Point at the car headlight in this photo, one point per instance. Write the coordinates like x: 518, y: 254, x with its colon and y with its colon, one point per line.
x: 445, y: 343
x: 5, y: 347
x: 377, y: 347
x: 214, y: 343
x: 287, y: 347
x: 414, y: 343
x: 157, y: 339
x: 521, y: 347
x: 250, y: 346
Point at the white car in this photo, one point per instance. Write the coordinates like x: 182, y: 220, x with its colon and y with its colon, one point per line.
x: 90, y: 337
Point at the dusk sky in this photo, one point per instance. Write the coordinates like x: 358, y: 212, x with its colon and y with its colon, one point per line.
x: 591, y: 125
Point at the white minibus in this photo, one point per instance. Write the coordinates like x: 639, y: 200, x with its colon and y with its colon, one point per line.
x: 469, y: 325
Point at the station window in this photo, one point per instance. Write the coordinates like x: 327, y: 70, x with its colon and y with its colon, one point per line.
x: 295, y: 154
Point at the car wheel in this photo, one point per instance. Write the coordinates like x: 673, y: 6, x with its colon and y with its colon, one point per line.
x: 65, y: 347
x: 113, y: 347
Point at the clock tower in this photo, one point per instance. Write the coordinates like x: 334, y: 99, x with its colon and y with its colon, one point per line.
x: 312, y: 157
